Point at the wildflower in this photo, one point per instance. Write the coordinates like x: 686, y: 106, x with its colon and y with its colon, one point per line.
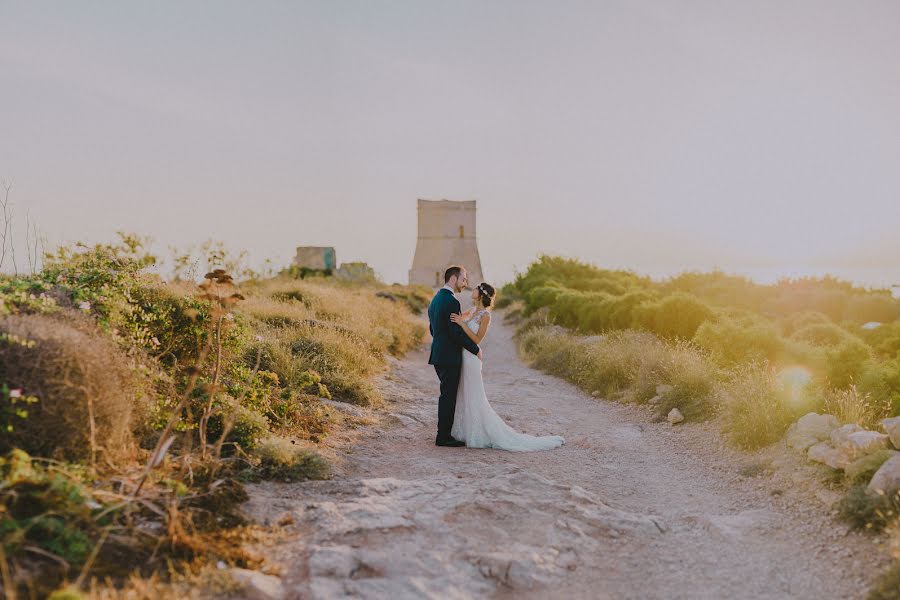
x: 155, y: 341
x: 259, y: 338
x: 85, y: 305
x: 15, y: 393
x: 229, y: 317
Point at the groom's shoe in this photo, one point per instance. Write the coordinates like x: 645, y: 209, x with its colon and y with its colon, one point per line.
x: 449, y: 442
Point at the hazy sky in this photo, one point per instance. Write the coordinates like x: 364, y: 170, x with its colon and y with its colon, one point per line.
x: 658, y: 136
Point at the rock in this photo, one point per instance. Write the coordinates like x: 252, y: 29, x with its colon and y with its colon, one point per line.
x: 799, y: 441
x: 839, y: 435
x: 887, y: 477
x: 817, y: 426
x: 655, y: 399
x: 825, y: 453
x: 258, y: 586
x: 860, y: 444
x: 663, y: 389
x: 675, y: 416
x: 892, y: 428
x: 595, y: 393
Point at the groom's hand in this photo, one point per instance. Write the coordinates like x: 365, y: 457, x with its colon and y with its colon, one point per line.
x: 481, y: 355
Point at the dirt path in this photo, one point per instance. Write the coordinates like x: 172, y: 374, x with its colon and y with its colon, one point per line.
x: 627, y: 508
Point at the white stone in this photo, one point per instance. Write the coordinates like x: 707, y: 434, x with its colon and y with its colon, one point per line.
x: 887, y: 477
x: 816, y: 425
x: 799, y: 441
x: 839, y: 435
x: 655, y: 399
x: 861, y: 443
x: 825, y: 453
x: 675, y: 416
x: 663, y: 389
x: 258, y: 586
x: 892, y: 428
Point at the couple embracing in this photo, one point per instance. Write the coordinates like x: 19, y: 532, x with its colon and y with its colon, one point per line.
x: 465, y: 417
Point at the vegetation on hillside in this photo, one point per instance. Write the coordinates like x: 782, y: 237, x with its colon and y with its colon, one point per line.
x: 763, y: 353
x: 133, y: 409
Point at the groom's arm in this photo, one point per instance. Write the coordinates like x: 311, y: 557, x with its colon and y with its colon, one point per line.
x: 458, y: 334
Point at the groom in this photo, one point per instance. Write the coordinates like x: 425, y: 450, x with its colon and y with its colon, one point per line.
x: 446, y: 350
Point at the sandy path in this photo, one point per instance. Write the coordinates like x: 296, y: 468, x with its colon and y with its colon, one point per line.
x: 627, y: 508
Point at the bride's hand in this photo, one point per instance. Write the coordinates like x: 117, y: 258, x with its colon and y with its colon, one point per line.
x: 457, y: 318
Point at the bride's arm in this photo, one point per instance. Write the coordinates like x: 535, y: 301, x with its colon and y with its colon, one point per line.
x: 482, y: 326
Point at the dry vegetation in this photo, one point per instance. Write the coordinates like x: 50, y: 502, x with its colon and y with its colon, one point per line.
x: 754, y: 357
x: 133, y: 409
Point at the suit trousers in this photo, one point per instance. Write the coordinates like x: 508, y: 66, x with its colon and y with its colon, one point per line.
x: 449, y: 377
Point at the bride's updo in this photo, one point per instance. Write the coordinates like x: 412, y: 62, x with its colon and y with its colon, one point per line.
x: 486, y: 294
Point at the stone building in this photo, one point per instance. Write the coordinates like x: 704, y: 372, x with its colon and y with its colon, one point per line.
x: 446, y: 237
x: 316, y: 257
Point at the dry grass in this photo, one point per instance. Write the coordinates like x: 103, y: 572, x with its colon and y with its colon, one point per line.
x: 90, y: 392
x: 757, y: 406
x: 626, y: 365
x: 851, y: 406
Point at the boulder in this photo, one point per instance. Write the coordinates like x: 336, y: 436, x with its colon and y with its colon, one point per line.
x: 817, y: 426
x: 663, y: 389
x: 799, y: 441
x: 839, y: 435
x: 861, y: 443
x: 258, y: 586
x: 825, y: 453
x: 675, y: 416
x: 655, y: 399
x: 892, y: 428
x: 887, y: 478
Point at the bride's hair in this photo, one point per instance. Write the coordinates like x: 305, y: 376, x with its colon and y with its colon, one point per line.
x: 486, y: 294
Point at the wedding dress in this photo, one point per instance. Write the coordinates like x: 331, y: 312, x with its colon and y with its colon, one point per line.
x: 476, y: 423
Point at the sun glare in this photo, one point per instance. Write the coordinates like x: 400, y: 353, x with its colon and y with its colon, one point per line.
x: 795, y: 378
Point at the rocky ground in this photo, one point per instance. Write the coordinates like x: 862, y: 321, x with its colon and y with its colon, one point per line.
x: 628, y: 508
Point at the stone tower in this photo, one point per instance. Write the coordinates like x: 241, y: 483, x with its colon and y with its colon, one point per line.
x: 446, y: 237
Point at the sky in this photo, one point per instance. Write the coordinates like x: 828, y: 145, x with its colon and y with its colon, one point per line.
x: 757, y: 137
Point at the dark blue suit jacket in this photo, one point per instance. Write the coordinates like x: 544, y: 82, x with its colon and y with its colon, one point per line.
x: 447, y: 337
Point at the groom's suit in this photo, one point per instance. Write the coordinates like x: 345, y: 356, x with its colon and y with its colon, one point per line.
x: 448, y: 339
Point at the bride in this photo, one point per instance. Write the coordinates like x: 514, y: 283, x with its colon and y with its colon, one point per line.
x: 475, y: 422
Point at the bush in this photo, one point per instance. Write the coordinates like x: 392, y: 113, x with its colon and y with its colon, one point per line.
x: 822, y: 334
x: 731, y: 341
x: 46, y: 508
x: 88, y: 390
x: 887, y: 586
x: 879, y: 307
x: 863, y: 510
x: 861, y: 471
x: 845, y: 362
x: 758, y: 405
x: 283, y: 460
x: 802, y: 319
x: 677, y: 316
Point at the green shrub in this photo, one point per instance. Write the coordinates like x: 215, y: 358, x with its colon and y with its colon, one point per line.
x: 49, y: 508
x: 247, y: 426
x: 731, y: 341
x: 802, y: 319
x: 863, y: 510
x: 542, y: 296
x: 845, y: 362
x: 280, y: 459
x: 675, y: 316
x: 822, y: 334
x: 887, y: 586
x: 872, y: 306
